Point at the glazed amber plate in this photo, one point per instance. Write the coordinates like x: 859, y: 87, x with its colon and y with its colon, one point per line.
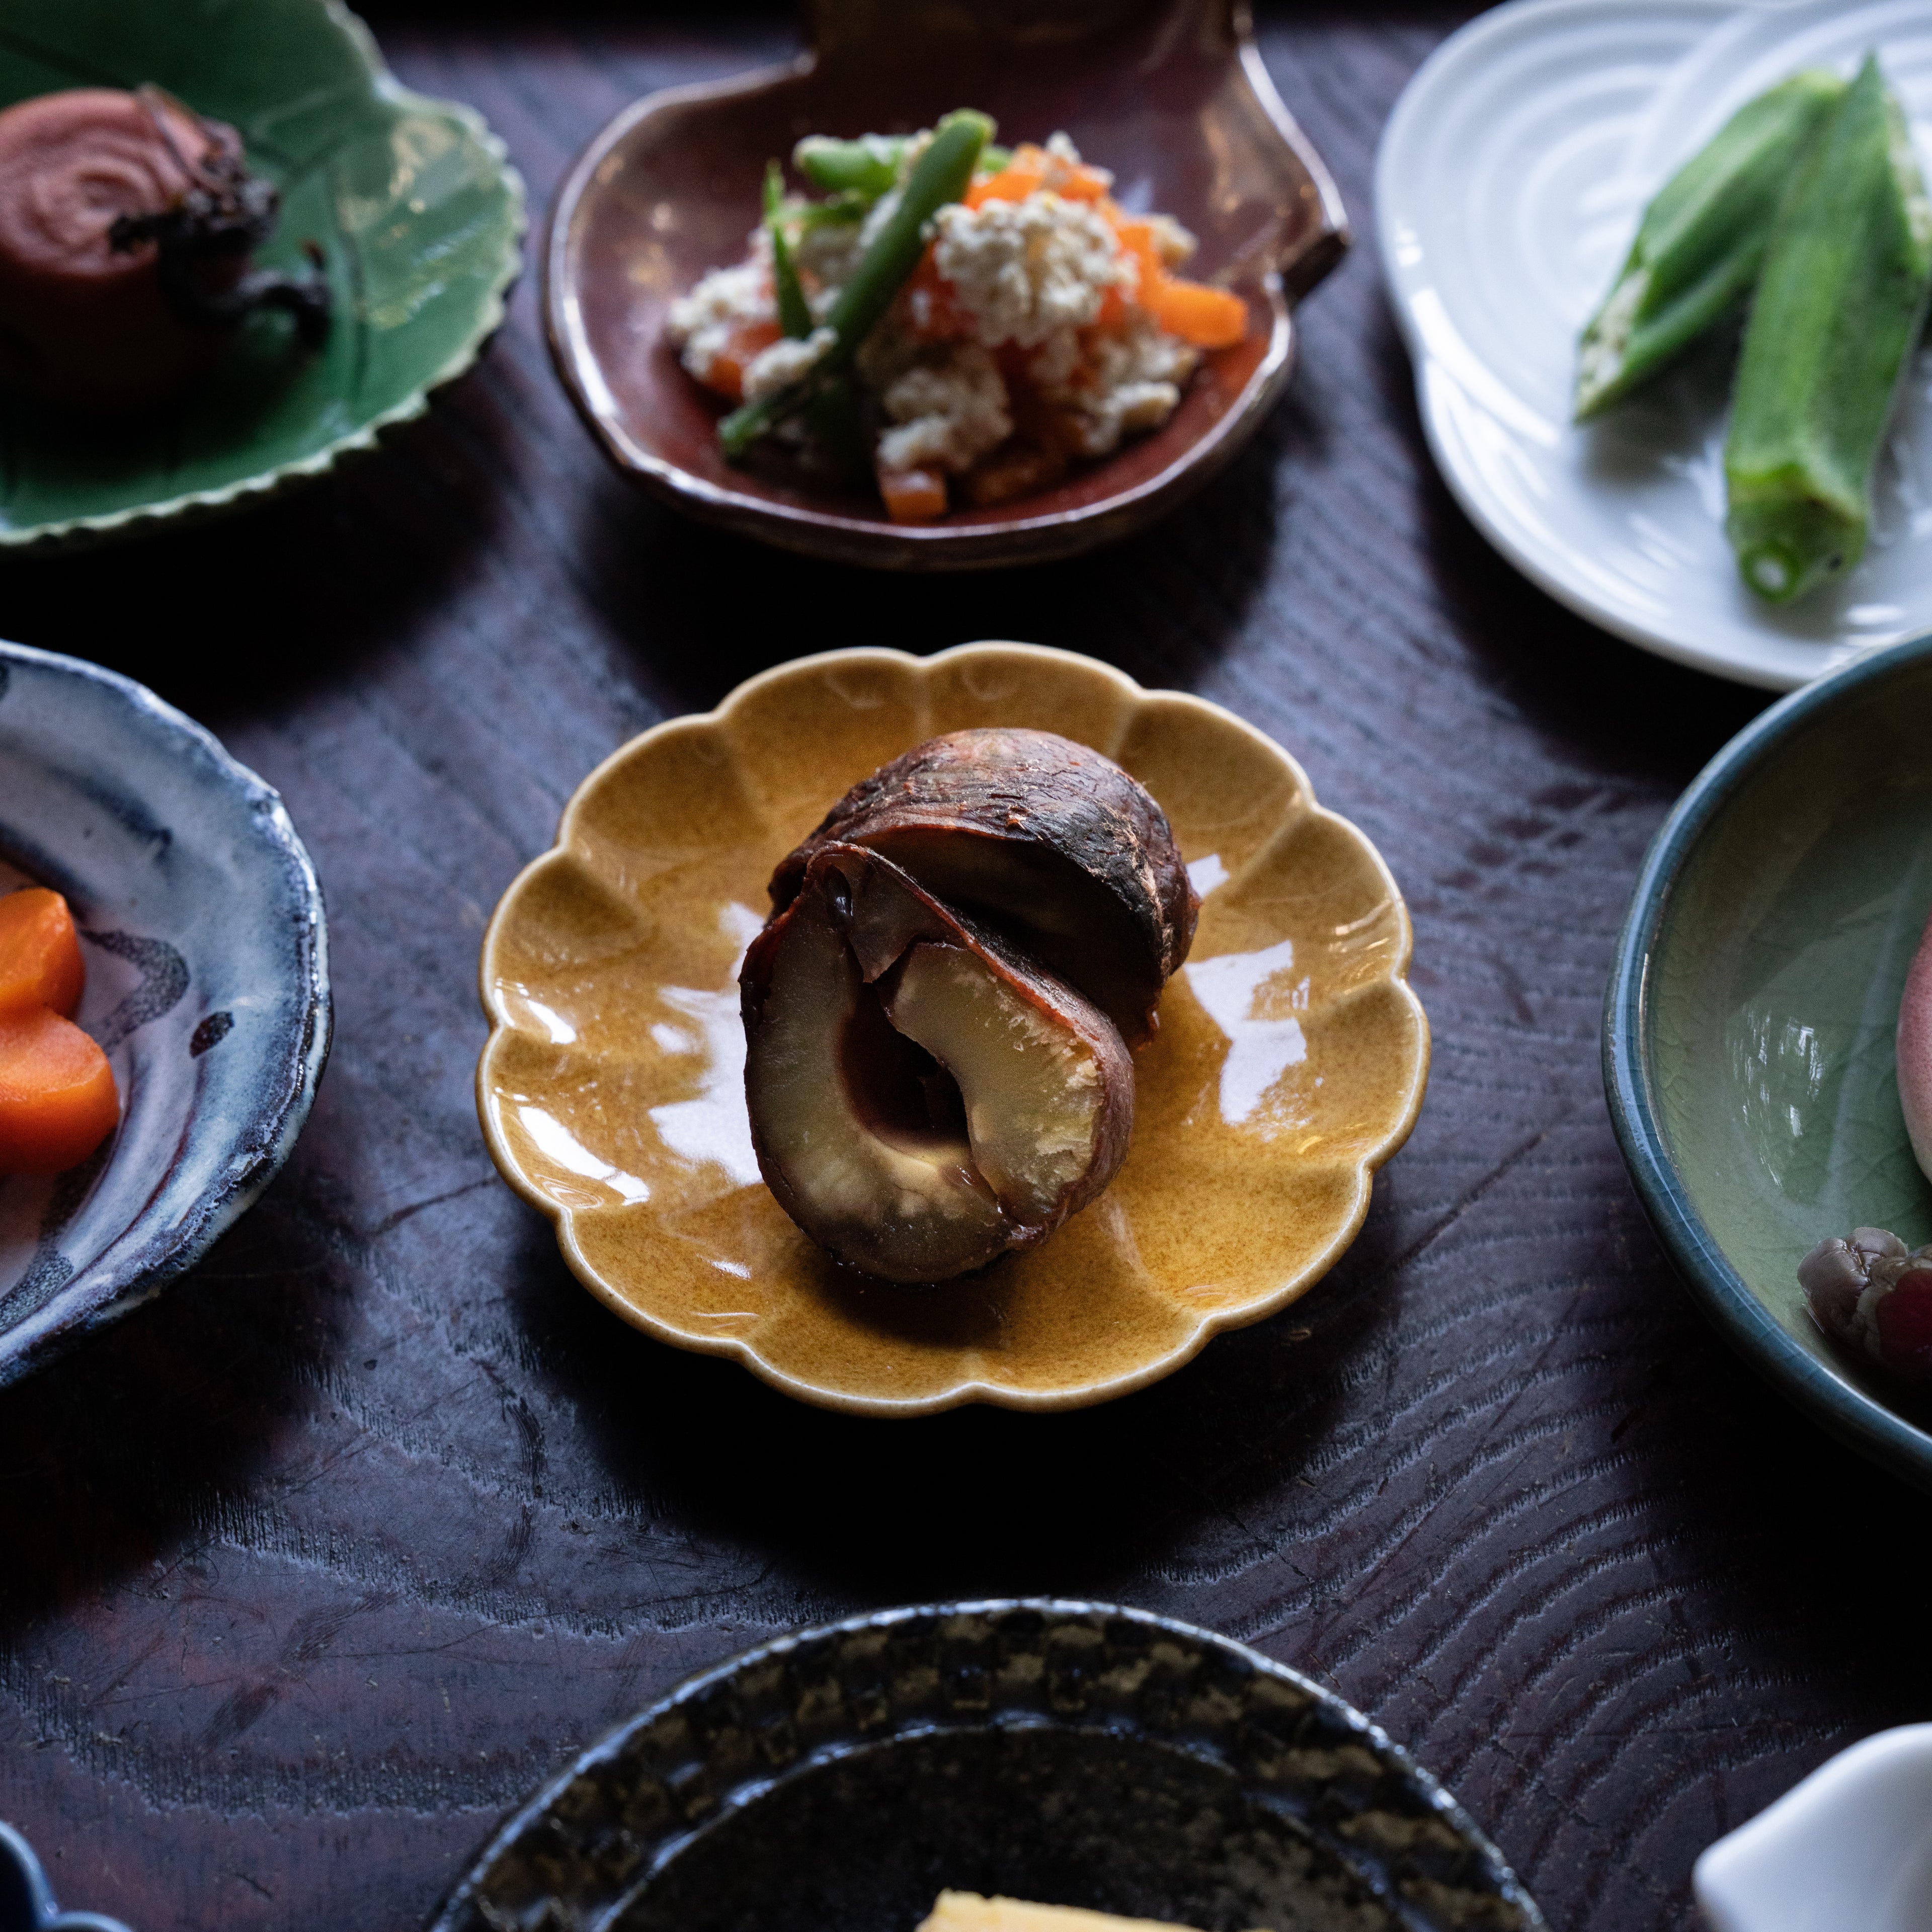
x: 1290, y: 1063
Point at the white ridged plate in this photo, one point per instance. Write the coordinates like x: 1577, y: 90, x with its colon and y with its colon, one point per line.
x: 1510, y: 180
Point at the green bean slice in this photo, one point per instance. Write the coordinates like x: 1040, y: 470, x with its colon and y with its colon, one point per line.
x: 941, y: 174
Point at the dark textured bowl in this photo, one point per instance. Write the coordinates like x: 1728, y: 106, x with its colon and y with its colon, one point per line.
x: 1171, y: 95
x: 207, y: 984
x: 1070, y: 1753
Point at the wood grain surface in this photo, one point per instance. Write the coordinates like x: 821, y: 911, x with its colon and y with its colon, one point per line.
x: 311, y: 1569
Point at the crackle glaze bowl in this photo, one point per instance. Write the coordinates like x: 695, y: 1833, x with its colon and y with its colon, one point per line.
x: 412, y: 201
x: 207, y: 960
x: 1747, y: 1036
x: 1170, y: 94
x: 1068, y: 1753
x: 1289, y: 1064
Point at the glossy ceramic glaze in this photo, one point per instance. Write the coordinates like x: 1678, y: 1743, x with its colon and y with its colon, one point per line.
x: 207, y: 964
x: 1852, y: 1846
x: 1071, y: 1753
x: 1748, y: 1037
x: 1170, y: 94
x: 1289, y: 1064
x: 411, y: 199
x: 27, y: 1901
x: 1511, y: 178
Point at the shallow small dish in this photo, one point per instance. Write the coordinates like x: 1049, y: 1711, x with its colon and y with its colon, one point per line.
x: 1170, y: 94
x: 1851, y: 1846
x: 1290, y: 1062
x: 1748, y: 1032
x: 1510, y: 179
x: 207, y: 984
x: 1066, y: 1752
x: 414, y: 203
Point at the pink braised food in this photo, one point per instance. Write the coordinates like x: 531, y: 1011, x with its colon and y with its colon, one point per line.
x: 1869, y: 1291
x: 127, y: 224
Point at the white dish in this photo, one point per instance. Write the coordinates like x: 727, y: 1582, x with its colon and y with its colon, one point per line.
x: 1510, y: 180
x: 1850, y: 1847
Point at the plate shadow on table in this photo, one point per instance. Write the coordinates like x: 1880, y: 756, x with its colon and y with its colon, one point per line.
x: 658, y: 576
x: 264, y: 605
x: 977, y: 1499
x: 111, y: 1457
x: 1638, y: 718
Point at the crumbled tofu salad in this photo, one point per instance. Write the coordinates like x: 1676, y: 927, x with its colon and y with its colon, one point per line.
x: 961, y: 320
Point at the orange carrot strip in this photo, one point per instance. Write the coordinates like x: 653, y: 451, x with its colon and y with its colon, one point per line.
x: 1012, y: 183
x: 57, y: 1098
x: 726, y: 371
x: 1137, y: 243
x: 1210, y: 318
x: 913, y: 496
x: 40, y: 957
x: 932, y: 306
x: 1082, y: 183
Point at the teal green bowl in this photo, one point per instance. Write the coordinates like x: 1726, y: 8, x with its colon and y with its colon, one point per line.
x: 413, y: 200
x: 1748, y: 1032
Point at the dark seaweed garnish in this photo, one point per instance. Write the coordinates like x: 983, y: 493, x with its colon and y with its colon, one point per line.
x: 223, y: 216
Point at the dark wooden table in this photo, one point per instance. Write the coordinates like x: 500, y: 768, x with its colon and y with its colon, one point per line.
x: 310, y: 1569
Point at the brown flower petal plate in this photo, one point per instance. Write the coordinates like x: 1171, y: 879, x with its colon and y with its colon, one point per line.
x: 1170, y: 94
x: 1290, y: 1063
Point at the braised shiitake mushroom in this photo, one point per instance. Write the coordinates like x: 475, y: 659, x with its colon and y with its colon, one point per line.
x: 938, y: 1013
x: 922, y: 1097
x: 1046, y: 841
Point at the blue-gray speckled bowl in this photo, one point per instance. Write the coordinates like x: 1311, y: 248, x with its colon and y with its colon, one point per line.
x: 207, y: 983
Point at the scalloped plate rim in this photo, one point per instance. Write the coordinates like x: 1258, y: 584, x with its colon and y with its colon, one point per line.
x: 73, y: 532
x: 739, y: 1348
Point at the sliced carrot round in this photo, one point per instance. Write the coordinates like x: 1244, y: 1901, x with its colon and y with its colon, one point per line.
x: 58, y: 1102
x: 40, y: 957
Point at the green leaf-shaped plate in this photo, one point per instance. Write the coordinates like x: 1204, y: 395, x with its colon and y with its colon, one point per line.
x: 413, y: 200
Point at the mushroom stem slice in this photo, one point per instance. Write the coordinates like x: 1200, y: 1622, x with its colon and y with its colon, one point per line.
x: 1047, y: 841
x: 1034, y: 1088
x: 921, y: 1100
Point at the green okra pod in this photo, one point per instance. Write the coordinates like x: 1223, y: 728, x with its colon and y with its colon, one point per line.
x: 941, y: 175
x: 1697, y: 254
x: 1840, y: 305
